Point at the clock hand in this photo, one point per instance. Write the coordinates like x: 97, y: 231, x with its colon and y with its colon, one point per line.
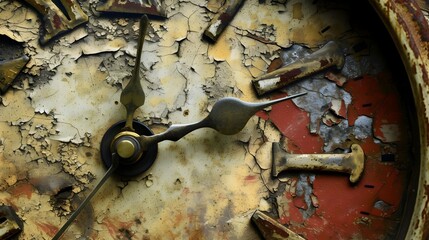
x: 112, y: 168
x: 132, y: 97
x: 228, y: 116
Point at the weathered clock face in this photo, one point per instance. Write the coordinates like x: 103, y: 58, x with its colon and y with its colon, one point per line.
x: 207, y: 185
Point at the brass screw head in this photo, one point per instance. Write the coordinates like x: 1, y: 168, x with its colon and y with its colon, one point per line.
x: 125, y: 148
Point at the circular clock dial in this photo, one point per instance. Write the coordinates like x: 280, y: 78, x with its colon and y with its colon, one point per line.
x: 206, y: 185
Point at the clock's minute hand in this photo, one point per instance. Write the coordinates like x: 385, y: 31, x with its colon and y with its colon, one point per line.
x: 132, y: 97
x: 228, y: 116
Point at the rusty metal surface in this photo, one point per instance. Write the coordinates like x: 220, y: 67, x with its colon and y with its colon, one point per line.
x: 207, y: 186
x: 151, y: 7
x: 271, y: 229
x: 222, y: 19
x: 55, y: 21
x: 409, y: 28
x: 327, y: 56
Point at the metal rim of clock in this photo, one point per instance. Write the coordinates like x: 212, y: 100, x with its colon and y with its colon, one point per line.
x: 410, y: 32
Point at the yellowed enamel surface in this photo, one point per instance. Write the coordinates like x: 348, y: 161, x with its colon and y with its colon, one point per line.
x: 203, y: 186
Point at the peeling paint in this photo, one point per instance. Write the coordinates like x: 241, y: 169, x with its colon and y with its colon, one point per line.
x: 205, y: 185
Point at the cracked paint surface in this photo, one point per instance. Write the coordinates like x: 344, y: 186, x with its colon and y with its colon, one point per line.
x: 206, y: 185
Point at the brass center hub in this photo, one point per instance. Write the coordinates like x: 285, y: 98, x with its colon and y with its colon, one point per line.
x: 133, y: 159
x: 127, y: 146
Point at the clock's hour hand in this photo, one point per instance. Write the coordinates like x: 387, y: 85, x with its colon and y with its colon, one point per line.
x: 112, y: 168
x: 132, y: 97
x: 228, y: 116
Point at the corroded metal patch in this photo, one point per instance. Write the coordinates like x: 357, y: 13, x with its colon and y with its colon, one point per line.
x: 271, y: 229
x: 55, y: 20
x: 222, y: 19
x: 151, y: 7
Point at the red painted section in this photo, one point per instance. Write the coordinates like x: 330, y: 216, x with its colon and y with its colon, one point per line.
x: 294, y: 126
x: 116, y: 226
x: 22, y: 189
x: 347, y: 211
x: 378, y: 99
x: 385, y: 107
x: 291, y: 214
x: 48, y: 228
x: 57, y: 22
x: 251, y: 179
